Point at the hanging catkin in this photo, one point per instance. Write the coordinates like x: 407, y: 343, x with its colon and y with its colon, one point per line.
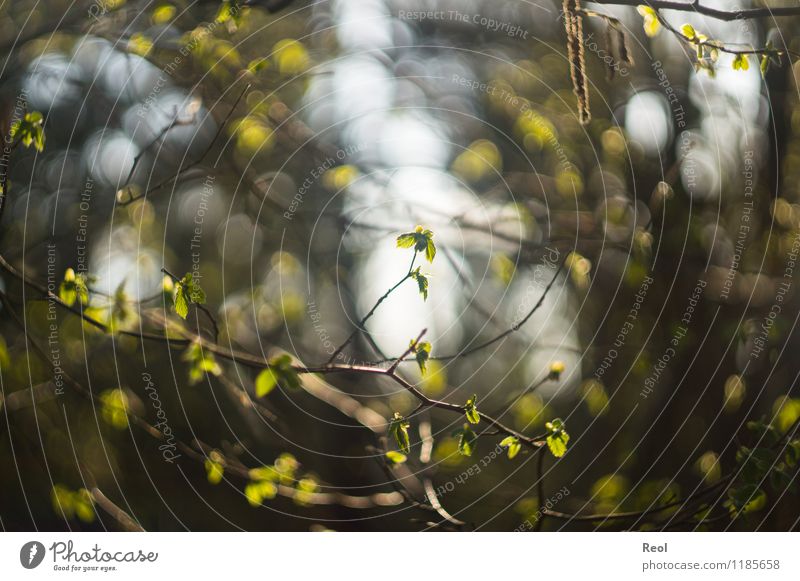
x: 573, y: 23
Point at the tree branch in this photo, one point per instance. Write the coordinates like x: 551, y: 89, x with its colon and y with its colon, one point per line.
x: 697, y: 7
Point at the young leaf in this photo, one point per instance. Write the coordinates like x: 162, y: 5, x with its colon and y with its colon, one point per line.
x: 66, y: 292
x: 201, y: 362
x: 513, y: 446
x: 285, y: 375
x: 422, y: 354
x: 557, y: 438
x: 265, y: 382
x: 466, y: 441
x: 652, y: 26
x: 406, y: 240
x: 187, y: 290
x: 471, y: 411
x: 29, y: 130
x: 422, y: 241
x: 74, y: 288
x: 396, y: 457
x: 181, y: 301
x: 114, y: 408
x: 422, y: 283
x: 741, y: 63
x: 398, y: 428
x: 430, y: 248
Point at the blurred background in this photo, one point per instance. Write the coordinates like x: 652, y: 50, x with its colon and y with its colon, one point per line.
x: 275, y: 150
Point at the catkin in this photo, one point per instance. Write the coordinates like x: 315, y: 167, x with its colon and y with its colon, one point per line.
x: 573, y: 23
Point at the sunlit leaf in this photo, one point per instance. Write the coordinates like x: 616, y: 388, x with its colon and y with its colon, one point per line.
x: 471, y: 411
x: 396, y: 457
x: 398, y: 428
x: 467, y: 439
x: 512, y: 445
x: 557, y: 438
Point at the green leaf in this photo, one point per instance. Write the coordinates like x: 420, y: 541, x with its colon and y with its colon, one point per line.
x: 265, y: 382
x: 396, y: 457
x: 741, y: 63
x: 398, y: 428
x: 201, y: 362
x: 765, y: 62
x: 511, y: 443
x: 422, y: 352
x: 471, y: 411
x: 422, y: 241
x: 430, y: 248
x: 74, y: 288
x: 406, y: 240
x: 114, y: 408
x: 29, y: 130
x: 187, y: 290
x: 557, y: 438
x: 181, y: 301
x: 467, y: 440
x: 652, y: 26
x: 688, y: 31
x: 422, y: 283
x: 282, y: 373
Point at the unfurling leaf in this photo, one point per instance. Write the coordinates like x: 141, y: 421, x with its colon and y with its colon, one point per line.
x: 201, y: 362
x: 422, y: 241
x: 187, y: 290
x: 557, y: 438
x: 278, y: 372
x: 422, y: 283
x: 422, y: 352
x: 652, y: 25
x: 511, y: 443
x: 398, y: 428
x: 471, y: 410
x: 467, y: 439
x: 74, y: 288
x: 741, y: 63
x: 29, y: 130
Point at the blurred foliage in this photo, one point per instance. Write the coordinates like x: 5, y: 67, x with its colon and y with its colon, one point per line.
x: 220, y: 140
